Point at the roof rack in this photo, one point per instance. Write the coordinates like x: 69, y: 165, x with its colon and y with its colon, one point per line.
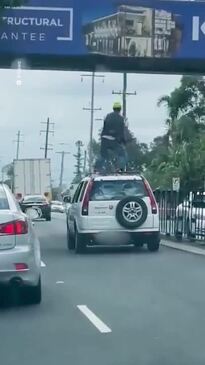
x: 117, y: 173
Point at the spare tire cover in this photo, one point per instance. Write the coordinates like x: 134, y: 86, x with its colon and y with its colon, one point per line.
x: 131, y: 212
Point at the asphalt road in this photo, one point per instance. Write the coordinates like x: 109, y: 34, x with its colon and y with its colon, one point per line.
x: 152, y: 308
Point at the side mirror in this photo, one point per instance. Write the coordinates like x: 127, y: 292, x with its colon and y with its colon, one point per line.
x: 67, y: 199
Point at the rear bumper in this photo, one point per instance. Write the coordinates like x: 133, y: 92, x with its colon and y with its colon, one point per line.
x: 121, y: 237
x: 96, y: 225
x: 26, y: 255
x: 46, y: 210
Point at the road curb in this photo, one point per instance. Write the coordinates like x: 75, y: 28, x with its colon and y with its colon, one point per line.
x: 184, y: 247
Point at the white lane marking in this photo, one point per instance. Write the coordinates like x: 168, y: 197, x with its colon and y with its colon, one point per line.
x: 184, y: 247
x: 60, y: 282
x: 96, y: 321
x: 43, y: 264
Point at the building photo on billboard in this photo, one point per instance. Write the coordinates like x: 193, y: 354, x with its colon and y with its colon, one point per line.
x: 134, y: 31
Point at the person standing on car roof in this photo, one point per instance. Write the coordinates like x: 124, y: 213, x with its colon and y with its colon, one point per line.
x: 113, y: 136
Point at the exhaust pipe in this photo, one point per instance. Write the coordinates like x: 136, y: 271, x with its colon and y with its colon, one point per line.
x: 16, y: 282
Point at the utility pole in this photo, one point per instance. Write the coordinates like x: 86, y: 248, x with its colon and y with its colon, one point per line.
x: 124, y: 94
x: 92, y: 109
x: 62, y: 153
x: 18, y: 141
x: 47, y: 132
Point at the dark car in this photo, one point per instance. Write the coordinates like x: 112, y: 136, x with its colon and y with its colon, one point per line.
x: 37, y: 206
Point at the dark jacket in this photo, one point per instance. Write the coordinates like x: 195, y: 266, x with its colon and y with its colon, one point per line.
x: 114, y: 126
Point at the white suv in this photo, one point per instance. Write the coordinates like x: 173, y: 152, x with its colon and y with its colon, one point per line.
x: 117, y: 209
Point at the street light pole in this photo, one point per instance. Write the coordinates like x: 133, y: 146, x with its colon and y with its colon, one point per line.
x: 62, y: 153
x: 92, y: 109
x: 92, y: 121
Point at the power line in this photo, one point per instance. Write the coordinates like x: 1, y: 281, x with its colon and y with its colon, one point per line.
x: 92, y: 109
x: 47, y: 132
x: 124, y: 94
x: 18, y: 141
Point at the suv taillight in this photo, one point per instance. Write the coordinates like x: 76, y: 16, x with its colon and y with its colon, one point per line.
x: 85, y: 203
x: 13, y: 228
x: 151, y: 196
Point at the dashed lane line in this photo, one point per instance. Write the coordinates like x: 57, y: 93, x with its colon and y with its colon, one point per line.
x: 96, y: 321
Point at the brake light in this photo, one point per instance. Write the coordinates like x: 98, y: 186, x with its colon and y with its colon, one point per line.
x: 18, y: 196
x: 21, y: 267
x: 86, y: 198
x: 7, y: 229
x: 13, y: 228
x: 45, y: 203
x: 151, y: 197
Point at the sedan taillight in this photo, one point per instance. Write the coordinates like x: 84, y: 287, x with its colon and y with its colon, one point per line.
x: 17, y: 227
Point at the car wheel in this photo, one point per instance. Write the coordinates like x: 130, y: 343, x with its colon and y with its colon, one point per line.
x: 80, y: 244
x: 70, y: 240
x: 191, y: 236
x: 178, y: 236
x: 153, y: 245
x: 48, y: 218
x: 32, y: 294
x: 139, y: 244
x: 131, y: 212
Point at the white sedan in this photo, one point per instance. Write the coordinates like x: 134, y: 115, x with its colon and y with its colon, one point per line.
x: 190, y: 217
x: 20, y: 260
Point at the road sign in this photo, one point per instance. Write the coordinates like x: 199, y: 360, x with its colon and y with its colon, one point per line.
x: 84, y: 34
x: 154, y: 29
x: 176, y: 183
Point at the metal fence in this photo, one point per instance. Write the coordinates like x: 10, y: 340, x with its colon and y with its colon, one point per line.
x: 182, y: 214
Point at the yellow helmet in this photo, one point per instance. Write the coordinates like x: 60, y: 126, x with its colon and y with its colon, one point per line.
x: 117, y: 106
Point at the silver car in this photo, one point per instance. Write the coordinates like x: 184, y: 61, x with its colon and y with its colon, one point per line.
x: 57, y: 207
x: 20, y: 261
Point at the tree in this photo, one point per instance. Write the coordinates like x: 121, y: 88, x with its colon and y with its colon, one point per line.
x: 79, y: 160
x: 8, y: 170
x: 181, y: 151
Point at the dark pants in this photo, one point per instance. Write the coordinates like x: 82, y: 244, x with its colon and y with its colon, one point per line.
x: 117, y: 149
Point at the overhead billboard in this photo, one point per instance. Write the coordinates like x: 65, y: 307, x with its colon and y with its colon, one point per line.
x: 109, y: 28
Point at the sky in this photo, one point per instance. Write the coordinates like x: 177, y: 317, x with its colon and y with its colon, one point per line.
x: 61, y: 96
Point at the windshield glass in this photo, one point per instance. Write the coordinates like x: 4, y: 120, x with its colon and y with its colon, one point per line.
x: 111, y: 190
x: 28, y: 199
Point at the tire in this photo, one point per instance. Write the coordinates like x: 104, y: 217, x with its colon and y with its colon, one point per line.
x: 191, y: 236
x: 178, y: 236
x: 80, y: 244
x: 70, y: 241
x: 121, y: 214
x: 153, y: 246
x: 139, y: 244
x: 48, y: 218
x: 32, y: 294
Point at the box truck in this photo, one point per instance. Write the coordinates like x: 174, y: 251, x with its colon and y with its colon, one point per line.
x: 32, y: 177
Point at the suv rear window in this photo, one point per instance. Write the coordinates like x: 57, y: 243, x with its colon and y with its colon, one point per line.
x: 117, y: 189
x: 34, y: 199
x: 3, y: 200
